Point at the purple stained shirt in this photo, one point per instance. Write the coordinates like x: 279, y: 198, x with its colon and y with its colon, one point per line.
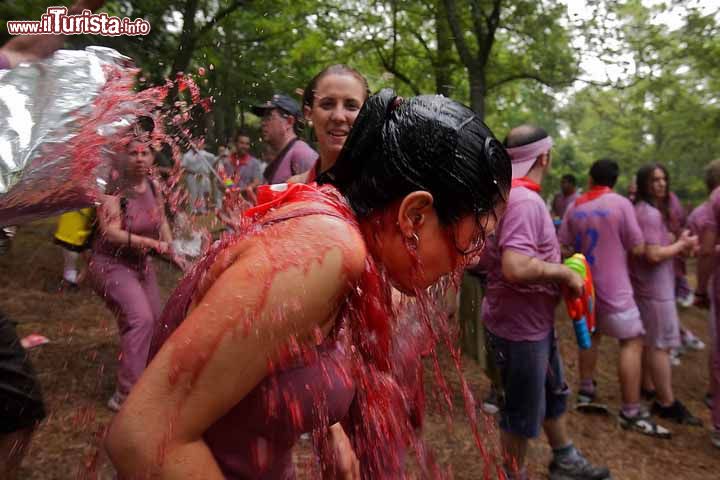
x: 516, y: 311
x: 701, y: 219
x: 299, y: 159
x: 605, y: 230
x: 561, y: 203
x: 652, y: 281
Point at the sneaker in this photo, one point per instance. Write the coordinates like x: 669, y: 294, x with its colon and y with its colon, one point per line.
x: 71, y: 276
x: 690, y: 341
x: 578, y: 468
x: 687, y: 300
x: 116, y: 401
x: 642, y: 423
x: 715, y: 438
x: 675, y: 354
x: 586, y: 403
x: 677, y: 412
x: 490, y: 403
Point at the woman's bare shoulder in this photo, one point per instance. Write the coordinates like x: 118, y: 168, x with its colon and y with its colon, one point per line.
x: 320, y: 232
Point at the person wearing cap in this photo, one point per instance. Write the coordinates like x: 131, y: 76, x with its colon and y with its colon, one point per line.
x: 280, y: 119
x: 524, y: 280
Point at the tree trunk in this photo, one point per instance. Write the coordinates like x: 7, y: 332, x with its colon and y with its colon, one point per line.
x: 443, y: 73
x: 186, y: 46
x: 477, y: 91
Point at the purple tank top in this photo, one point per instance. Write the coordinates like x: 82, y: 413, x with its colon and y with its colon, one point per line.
x: 141, y: 215
x: 254, y: 439
x: 354, y: 376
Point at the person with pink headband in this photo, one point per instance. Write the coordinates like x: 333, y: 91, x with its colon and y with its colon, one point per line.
x: 524, y: 280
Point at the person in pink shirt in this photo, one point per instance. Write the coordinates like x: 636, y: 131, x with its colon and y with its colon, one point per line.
x: 683, y: 292
x: 708, y: 287
x: 602, y: 225
x: 653, y: 280
x: 565, y: 197
x: 281, y: 116
x: 524, y: 280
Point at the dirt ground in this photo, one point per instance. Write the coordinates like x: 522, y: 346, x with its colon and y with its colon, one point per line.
x: 77, y: 372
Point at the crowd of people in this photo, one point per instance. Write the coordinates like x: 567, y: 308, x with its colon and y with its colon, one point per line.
x: 289, y: 323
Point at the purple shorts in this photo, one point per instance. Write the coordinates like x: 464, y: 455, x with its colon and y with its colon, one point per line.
x: 662, y: 325
x: 621, y: 325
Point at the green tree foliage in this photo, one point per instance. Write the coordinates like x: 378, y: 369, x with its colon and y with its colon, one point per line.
x: 511, y: 60
x: 667, y: 111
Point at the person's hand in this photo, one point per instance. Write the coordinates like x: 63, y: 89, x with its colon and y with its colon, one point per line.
x: 688, y: 239
x: 162, y: 248
x: 180, y: 261
x: 574, y: 283
x: 346, y: 465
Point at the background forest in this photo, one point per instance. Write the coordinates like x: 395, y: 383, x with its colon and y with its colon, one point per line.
x: 634, y: 80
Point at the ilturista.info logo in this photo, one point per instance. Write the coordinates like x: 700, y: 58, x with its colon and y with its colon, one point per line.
x: 56, y: 21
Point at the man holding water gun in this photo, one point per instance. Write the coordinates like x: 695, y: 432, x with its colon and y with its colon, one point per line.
x: 524, y: 280
x: 602, y: 225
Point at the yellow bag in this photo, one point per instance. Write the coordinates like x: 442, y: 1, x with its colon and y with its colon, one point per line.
x: 75, y: 229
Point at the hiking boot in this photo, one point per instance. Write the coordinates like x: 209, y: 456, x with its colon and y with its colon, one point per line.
x: 577, y: 468
x: 642, y: 423
x: 677, y: 412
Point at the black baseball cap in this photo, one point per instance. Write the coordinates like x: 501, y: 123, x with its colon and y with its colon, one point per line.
x: 281, y: 102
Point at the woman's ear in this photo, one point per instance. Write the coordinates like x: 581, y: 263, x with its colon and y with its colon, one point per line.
x: 413, y: 212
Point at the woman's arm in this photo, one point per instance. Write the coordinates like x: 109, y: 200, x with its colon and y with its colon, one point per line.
x: 110, y: 223
x: 276, y: 289
x: 658, y: 254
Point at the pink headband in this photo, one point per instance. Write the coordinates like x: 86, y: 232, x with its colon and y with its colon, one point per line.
x: 523, y: 157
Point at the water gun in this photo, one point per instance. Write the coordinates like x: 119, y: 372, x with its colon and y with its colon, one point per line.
x: 582, y: 309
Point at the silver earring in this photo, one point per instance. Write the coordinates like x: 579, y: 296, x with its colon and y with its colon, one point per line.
x: 416, y: 238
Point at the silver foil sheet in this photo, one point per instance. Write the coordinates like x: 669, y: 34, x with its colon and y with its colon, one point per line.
x: 60, y: 120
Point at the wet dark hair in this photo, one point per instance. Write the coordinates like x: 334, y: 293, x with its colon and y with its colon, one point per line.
x: 605, y: 172
x: 338, y: 69
x: 644, y: 180
x: 569, y: 178
x: 426, y: 143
